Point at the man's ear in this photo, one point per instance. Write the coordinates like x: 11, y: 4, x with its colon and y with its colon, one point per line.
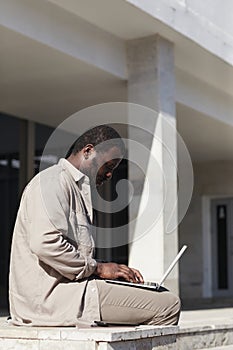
x: 88, y: 150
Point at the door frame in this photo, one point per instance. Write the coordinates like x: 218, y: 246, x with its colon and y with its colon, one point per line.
x: 207, y: 247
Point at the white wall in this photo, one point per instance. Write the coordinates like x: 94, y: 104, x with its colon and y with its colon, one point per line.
x: 211, y: 178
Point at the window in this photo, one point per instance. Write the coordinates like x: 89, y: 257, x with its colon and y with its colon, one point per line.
x: 9, y: 189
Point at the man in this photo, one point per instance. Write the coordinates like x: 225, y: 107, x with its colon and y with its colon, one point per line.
x: 54, y: 278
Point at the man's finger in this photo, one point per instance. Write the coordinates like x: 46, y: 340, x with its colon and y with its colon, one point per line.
x: 126, y: 269
x: 135, y: 275
x: 130, y: 277
x: 138, y: 275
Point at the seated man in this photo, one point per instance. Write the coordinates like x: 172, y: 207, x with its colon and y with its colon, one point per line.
x: 54, y: 278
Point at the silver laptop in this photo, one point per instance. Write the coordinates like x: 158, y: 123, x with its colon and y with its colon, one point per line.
x: 152, y: 285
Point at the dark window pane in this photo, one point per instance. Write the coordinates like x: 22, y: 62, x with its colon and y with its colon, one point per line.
x: 9, y: 184
x: 42, y: 134
x: 222, y: 246
x: 117, y: 254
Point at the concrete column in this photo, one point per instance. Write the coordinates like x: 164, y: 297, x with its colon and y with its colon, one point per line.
x: 151, y: 83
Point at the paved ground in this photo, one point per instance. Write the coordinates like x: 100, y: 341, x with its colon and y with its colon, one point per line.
x: 219, y: 316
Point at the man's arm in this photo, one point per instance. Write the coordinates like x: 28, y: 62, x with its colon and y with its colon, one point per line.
x: 48, y: 217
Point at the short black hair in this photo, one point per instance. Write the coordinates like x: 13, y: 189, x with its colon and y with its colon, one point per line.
x: 96, y: 136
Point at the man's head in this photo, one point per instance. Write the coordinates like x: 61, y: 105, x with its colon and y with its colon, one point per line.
x: 97, y: 153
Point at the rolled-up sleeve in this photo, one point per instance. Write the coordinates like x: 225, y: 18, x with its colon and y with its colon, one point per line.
x: 48, y: 215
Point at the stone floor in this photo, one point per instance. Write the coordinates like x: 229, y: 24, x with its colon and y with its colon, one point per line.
x: 207, y: 317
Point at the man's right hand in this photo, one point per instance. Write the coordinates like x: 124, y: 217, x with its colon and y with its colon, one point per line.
x: 113, y: 271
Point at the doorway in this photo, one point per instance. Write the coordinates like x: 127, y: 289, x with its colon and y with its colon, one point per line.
x: 222, y: 246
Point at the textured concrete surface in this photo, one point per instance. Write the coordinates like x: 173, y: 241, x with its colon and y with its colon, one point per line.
x: 200, y: 329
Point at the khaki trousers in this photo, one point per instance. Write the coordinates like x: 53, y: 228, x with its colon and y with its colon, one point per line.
x: 128, y: 305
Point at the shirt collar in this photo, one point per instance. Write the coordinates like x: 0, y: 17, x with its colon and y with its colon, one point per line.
x: 75, y: 173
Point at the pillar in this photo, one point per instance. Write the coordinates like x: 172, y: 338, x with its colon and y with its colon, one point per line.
x: 151, y: 83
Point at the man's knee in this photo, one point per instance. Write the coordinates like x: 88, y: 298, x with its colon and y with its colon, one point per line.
x: 176, y: 309
x: 172, y: 313
x: 169, y: 311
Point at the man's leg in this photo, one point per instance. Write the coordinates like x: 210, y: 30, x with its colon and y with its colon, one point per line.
x: 127, y: 305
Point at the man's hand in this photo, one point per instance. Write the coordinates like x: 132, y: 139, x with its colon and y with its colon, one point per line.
x: 114, y: 271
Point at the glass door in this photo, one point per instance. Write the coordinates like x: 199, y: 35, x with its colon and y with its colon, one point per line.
x: 222, y: 247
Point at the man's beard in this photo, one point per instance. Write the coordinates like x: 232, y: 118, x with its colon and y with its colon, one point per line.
x: 91, y: 172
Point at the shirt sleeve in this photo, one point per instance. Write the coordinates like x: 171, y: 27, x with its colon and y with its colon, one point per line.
x: 48, y: 217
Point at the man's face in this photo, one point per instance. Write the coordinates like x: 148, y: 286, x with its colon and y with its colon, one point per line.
x: 100, y: 165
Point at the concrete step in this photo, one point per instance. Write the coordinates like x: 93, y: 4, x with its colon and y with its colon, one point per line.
x: 116, y: 338
x: 224, y: 347
x: 205, y: 337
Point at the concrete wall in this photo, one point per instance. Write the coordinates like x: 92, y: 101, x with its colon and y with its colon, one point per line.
x: 208, y: 23
x: 219, y: 13
x: 210, y: 179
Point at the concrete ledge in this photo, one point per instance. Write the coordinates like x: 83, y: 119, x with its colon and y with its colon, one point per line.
x: 205, y: 337
x: 115, y: 338
x: 110, y: 334
x: 41, y: 338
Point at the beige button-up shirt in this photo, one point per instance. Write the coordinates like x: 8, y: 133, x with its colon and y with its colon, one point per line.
x: 52, y: 251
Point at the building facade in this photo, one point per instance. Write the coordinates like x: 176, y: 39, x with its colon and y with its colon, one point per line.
x: 175, y: 57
